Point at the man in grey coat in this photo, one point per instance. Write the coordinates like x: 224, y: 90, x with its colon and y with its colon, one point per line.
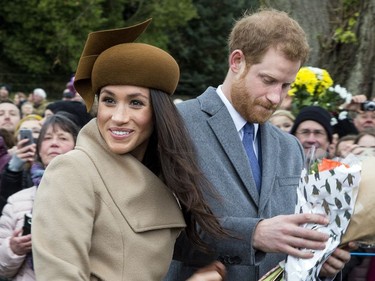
x: 266, y: 50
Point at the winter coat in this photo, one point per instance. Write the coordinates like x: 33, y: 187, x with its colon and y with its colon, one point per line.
x: 12, y: 265
x: 102, y: 216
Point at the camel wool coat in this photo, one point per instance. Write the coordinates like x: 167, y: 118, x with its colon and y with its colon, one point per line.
x: 102, y: 216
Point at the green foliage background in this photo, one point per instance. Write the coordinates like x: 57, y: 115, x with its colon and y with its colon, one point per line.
x: 41, y: 41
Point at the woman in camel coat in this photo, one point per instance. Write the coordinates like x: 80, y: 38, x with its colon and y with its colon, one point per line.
x: 113, y: 207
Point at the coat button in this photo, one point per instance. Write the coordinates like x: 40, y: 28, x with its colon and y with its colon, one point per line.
x: 230, y: 260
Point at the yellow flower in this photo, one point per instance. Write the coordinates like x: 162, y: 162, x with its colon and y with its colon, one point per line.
x: 312, y: 87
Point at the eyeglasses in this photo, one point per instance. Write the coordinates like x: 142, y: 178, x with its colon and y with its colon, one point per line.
x: 306, y: 133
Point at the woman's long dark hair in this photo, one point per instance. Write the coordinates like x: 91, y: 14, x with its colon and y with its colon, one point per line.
x: 170, y: 154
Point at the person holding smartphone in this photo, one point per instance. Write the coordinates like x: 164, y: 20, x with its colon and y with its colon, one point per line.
x: 58, y: 136
x: 16, y: 174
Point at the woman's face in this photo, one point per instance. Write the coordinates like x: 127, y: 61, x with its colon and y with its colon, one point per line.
x: 55, y: 142
x: 125, y: 119
x: 34, y: 125
x: 367, y: 141
x: 282, y: 122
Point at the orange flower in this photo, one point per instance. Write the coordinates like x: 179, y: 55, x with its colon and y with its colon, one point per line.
x: 328, y: 164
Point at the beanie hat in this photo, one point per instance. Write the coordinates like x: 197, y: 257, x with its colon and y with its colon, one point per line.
x: 40, y: 92
x: 77, y: 110
x: 317, y: 114
x: 111, y: 57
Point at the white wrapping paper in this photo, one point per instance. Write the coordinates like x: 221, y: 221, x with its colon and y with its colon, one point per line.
x: 333, y: 193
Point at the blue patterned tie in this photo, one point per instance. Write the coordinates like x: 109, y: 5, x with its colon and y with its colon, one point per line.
x: 247, y: 141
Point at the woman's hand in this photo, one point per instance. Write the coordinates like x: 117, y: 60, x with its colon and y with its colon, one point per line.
x: 213, y: 272
x: 20, y: 245
x: 25, y: 153
x: 336, y: 262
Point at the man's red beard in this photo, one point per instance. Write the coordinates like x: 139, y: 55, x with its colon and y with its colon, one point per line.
x: 253, y: 110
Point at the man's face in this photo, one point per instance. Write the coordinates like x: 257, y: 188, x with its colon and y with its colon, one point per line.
x: 9, y: 116
x: 311, y: 133
x: 257, y: 91
x: 37, y: 99
x: 364, y: 120
x: 4, y: 94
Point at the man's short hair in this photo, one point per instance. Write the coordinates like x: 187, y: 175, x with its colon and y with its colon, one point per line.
x: 254, y: 34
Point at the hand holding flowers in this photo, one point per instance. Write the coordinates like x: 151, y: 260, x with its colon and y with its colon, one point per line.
x: 329, y: 188
x: 332, y: 191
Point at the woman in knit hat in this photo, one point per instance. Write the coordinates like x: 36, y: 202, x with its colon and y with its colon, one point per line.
x: 112, y: 208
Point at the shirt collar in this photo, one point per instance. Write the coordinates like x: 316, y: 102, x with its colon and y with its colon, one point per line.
x: 238, y: 120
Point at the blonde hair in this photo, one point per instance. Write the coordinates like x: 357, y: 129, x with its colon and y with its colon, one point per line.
x: 283, y: 112
x: 29, y: 117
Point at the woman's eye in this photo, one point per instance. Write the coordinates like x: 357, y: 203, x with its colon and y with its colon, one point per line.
x: 136, y: 103
x: 108, y: 100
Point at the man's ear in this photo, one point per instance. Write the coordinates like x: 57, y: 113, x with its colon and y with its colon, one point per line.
x: 237, y: 61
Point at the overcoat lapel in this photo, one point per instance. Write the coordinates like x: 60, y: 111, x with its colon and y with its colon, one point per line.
x: 270, y: 150
x: 131, y: 185
x: 228, y: 138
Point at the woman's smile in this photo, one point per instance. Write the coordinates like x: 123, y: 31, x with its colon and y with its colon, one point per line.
x: 125, y: 118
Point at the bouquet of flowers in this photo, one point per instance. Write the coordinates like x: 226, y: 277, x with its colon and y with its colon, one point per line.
x: 326, y: 187
x: 330, y: 188
x: 314, y: 86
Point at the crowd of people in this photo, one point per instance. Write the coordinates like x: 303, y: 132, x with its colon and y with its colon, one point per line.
x: 124, y: 183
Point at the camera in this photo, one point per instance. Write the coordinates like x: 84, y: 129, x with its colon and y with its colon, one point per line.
x: 368, y: 106
x: 27, y: 224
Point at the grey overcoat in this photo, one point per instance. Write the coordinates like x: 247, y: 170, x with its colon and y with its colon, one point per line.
x: 224, y: 161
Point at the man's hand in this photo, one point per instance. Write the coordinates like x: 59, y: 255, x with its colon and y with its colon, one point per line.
x: 355, y: 103
x: 285, y: 234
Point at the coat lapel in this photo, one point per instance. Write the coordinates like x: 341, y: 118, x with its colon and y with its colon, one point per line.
x: 270, y: 150
x: 228, y: 138
x: 141, y: 197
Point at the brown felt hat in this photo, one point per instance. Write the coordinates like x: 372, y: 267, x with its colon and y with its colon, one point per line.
x: 111, y: 57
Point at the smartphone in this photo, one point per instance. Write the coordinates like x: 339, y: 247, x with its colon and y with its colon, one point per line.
x: 27, y: 224
x: 26, y: 134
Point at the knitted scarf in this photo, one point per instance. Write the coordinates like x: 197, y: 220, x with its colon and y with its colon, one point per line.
x: 36, y: 171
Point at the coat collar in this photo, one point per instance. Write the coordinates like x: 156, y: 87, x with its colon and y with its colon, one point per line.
x: 220, y: 118
x: 142, y: 198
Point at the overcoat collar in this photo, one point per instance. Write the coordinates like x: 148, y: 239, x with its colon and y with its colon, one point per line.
x: 142, y: 198
x: 232, y: 145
